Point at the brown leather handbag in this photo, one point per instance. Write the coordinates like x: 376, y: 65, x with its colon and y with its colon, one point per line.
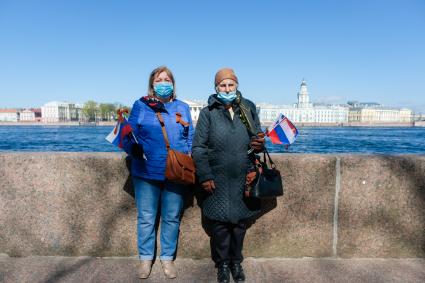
x: 180, y: 167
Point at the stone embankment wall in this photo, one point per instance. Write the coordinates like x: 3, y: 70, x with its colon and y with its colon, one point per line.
x: 349, y: 206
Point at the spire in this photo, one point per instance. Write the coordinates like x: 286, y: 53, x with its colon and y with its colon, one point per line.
x: 303, y: 97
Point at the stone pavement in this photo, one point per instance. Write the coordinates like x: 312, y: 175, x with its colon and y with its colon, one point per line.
x: 123, y: 269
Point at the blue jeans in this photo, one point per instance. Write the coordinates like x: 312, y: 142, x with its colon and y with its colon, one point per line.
x: 149, y: 194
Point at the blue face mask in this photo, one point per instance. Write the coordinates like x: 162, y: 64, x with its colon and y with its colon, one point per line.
x: 226, y: 98
x: 163, y: 89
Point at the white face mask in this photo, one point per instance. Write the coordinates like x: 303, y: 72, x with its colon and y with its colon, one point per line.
x: 226, y: 98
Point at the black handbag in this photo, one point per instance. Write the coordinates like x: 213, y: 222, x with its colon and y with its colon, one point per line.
x: 268, y: 183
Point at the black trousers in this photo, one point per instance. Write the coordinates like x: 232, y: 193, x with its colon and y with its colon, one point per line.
x: 226, y: 241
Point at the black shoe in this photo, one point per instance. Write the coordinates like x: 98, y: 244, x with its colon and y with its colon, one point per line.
x: 237, y: 272
x: 223, y: 273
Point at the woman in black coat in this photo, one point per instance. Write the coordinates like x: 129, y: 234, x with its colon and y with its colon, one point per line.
x: 220, y: 151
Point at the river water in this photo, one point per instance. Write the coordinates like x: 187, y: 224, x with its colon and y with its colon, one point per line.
x: 363, y: 140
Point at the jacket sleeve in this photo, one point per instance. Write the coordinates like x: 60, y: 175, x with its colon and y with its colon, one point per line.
x: 130, y: 146
x: 200, y: 147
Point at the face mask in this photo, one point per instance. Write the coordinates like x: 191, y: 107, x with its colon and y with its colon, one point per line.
x: 163, y: 89
x: 225, y: 97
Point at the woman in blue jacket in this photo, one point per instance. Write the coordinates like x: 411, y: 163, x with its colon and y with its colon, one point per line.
x: 148, y: 151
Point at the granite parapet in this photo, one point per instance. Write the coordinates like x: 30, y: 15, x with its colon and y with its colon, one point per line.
x: 82, y: 204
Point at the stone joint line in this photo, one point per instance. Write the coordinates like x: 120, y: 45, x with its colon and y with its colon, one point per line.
x: 336, y: 202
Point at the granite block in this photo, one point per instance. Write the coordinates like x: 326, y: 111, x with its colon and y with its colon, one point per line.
x: 301, y: 223
x: 382, y: 206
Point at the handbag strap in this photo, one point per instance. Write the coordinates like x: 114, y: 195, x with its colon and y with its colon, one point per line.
x: 248, y: 121
x: 161, y: 122
x: 265, y: 155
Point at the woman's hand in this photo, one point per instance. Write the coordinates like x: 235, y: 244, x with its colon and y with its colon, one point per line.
x: 209, y: 186
x: 257, y: 143
x: 250, y: 177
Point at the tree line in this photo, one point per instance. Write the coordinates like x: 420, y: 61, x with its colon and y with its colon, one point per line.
x: 94, y: 111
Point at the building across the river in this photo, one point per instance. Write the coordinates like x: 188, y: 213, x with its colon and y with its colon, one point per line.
x: 30, y: 115
x: 377, y: 113
x: 195, y: 107
x: 304, y: 111
x: 56, y: 111
x: 9, y: 115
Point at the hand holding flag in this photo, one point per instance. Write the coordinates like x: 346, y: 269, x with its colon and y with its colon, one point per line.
x: 257, y: 142
x: 122, y: 129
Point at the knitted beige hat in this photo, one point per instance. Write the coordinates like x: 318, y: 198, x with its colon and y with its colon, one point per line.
x: 225, y: 73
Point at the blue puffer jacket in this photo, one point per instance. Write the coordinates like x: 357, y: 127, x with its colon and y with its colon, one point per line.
x: 148, y: 132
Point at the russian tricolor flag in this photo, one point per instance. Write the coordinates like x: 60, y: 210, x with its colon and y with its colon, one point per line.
x: 282, y: 131
x: 121, y: 129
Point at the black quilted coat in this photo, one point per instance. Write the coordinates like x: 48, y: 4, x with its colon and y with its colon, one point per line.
x: 220, y: 153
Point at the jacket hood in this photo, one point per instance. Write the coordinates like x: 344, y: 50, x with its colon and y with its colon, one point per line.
x: 213, y: 100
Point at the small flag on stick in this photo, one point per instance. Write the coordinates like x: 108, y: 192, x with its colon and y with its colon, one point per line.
x: 282, y: 131
x: 121, y: 129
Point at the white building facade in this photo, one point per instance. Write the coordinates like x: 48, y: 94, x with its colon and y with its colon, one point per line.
x: 195, y: 108
x: 304, y: 111
x: 56, y: 111
x: 9, y: 115
x: 406, y: 115
x: 27, y: 115
x: 380, y: 114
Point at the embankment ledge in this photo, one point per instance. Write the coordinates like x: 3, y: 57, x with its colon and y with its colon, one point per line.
x: 349, y: 206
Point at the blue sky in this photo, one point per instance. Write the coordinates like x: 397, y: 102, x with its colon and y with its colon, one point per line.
x: 104, y: 50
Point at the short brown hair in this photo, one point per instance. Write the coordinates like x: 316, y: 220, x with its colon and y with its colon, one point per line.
x: 155, y: 73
